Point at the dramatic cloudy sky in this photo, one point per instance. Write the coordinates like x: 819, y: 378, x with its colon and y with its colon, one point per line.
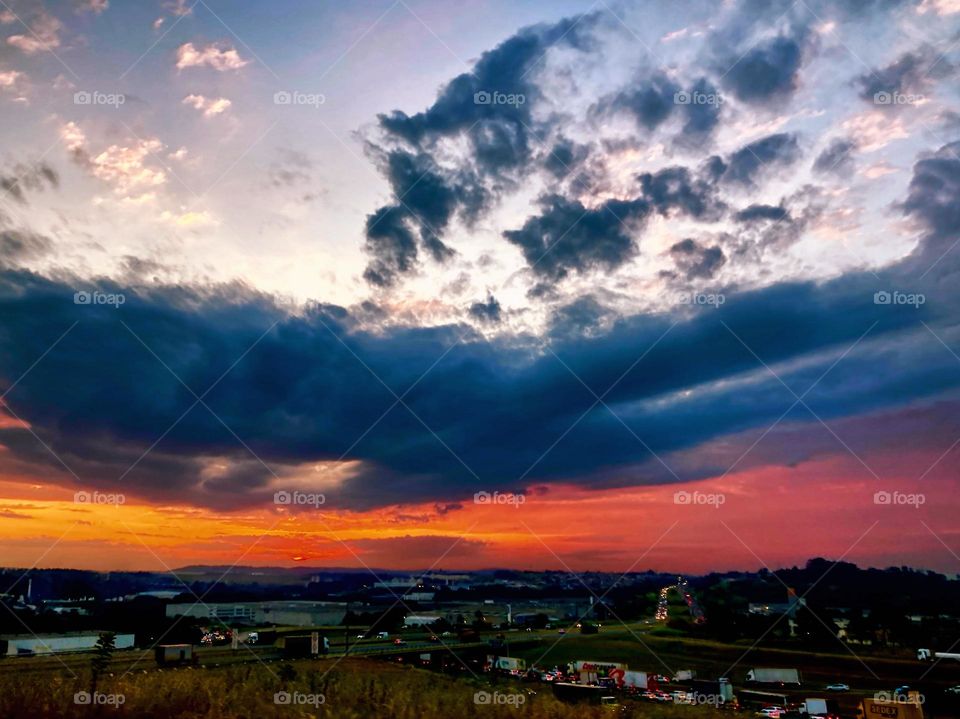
x: 677, y: 282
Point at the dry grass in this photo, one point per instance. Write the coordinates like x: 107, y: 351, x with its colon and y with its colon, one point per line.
x: 354, y: 689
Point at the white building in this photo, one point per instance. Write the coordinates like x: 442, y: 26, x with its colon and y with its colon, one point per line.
x: 420, y: 620
x: 26, y: 644
x: 296, y: 613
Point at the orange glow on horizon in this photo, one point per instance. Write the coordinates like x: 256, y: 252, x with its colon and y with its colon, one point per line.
x: 775, y: 515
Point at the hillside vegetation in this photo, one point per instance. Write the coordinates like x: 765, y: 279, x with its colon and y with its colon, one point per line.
x: 353, y: 689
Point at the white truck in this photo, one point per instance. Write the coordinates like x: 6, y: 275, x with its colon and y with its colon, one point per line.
x: 506, y: 664
x: 925, y: 655
x: 771, y: 675
x: 685, y: 675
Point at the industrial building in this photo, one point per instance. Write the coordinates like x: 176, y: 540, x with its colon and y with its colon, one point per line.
x: 420, y: 620
x: 28, y: 644
x: 296, y: 613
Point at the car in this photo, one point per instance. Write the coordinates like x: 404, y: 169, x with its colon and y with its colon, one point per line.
x: 656, y: 696
x: 399, y: 642
x: 771, y: 712
x: 562, y: 631
x: 661, y: 679
x: 953, y: 690
x: 838, y: 687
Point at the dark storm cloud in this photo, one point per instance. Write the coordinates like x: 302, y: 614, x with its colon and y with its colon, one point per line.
x: 24, y: 177
x: 674, y: 188
x: 509, y: 69
x: 761, y: 212
x: 695, y: 260
x: 489, y: 311
x: 836, y: 158
x: 567, y: 237
x: 583, y: 317
x: 426, y: 197
x: 309, y: 386
x: 425, y: 194
x: 392, y: 245
x: 564, y: 157
x: 909, y: 74
x: 746, y: 164
x: 934, y: 200
x: 764, y: 228
x: 17, y: 246
x: 649, y: 101
x: 702, y: 113
x: 765, y: 73
x: 491, y: 108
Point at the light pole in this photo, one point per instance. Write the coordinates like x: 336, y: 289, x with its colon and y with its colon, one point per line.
x: 346, y: 631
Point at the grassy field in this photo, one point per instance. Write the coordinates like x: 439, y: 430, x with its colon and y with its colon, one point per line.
x: 350, y: 689
x: 242, y: 683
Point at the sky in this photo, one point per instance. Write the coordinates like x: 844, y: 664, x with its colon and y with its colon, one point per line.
x: 569, y: 285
